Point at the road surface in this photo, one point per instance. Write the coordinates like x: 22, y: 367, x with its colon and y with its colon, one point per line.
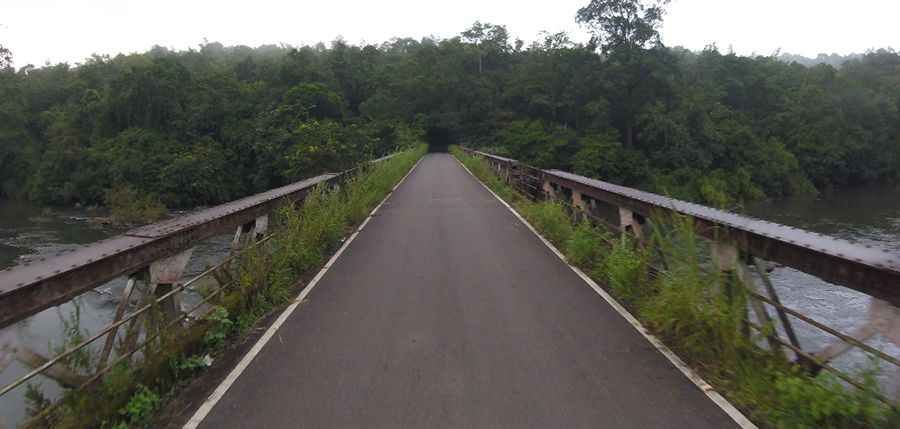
x: 447, y: 312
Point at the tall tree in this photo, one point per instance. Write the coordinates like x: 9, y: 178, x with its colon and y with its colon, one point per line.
x: 489, y: 40
x: 623, y: 30
x: 5, y: 58
x: 618, y: 24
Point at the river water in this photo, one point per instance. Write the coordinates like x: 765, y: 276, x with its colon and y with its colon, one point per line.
x: 868, y: 216
x: 30, y: 232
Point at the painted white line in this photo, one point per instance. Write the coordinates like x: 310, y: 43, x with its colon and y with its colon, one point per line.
x: 705, y: 387
x: 223, y: 387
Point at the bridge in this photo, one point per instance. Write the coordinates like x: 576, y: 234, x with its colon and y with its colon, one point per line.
x: 447, y: 309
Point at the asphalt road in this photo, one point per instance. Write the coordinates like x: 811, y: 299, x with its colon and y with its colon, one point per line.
x: 447, y: 312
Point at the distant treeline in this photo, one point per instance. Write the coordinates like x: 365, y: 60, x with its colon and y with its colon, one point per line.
x: 211, y: 124
x: 834, y: 60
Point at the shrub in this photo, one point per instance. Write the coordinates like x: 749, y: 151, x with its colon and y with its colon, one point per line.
x: 129, y: 206
x: 141, y: 404
x: 585, y: 248
x: 624, y: 270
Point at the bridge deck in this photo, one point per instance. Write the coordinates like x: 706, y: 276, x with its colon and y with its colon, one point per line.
x: 447, y: 312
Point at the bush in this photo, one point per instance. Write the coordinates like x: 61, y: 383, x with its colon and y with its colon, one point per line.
x: 824, y: 403
x: 141, y: 404
x: 129, y: 206
x: 623, y: 270
x: 551, y: 219
x: 585, y: 248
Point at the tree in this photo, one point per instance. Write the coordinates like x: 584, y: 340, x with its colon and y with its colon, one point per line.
x: 624, y: 29
x: 623, y: 24
x: 5, y: 58
x: 489, y: 40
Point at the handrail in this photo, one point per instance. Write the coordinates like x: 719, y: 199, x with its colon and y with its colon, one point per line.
x: 865, y: 269
x: 28, y: 288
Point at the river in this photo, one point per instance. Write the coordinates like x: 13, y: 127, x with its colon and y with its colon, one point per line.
x: 868, y: 216
x: 30, y: 232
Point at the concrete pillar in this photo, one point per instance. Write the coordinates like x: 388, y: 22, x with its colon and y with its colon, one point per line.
x: 579, y: 204
x: 260, y: 226
x: 164, y: 275
x: 628, y: 222
x: 549, y: 190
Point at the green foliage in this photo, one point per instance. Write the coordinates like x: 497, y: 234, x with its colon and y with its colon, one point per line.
x: 702, y: 310
x: 185, y: 367
x: 140, y: 406
x: 219, y: 328
x: 551, y: 219
x: 587, y: 245
x: 624, y: 270
x: 128, y: 206
x: 824, y: 403
x: 210, y: 125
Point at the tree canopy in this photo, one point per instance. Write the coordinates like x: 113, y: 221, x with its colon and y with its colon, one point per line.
x: 217, y: 122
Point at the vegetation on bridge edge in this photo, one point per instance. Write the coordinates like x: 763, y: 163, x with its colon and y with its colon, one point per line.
x: 698, y: 314
x: 262, y: 279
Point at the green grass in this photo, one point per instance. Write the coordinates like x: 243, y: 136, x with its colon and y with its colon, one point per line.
x: 698, y: 314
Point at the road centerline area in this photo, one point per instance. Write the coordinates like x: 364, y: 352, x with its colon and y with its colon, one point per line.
x: 447, y: 312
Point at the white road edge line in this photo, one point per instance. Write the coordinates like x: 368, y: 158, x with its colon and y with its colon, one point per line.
x: 705, y: 387
x: 223, y: 387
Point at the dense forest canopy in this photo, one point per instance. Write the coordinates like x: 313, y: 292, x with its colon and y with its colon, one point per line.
x: 211, y: 124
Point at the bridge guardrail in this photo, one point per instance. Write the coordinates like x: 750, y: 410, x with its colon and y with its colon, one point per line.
x: 156, y: 255
x: 31, y: 287
x: 745, y: 245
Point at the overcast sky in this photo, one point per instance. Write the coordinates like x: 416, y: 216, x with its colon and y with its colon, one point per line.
x: 71, y: 30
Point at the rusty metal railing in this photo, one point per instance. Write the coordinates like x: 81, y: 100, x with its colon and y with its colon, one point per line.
x: 748, y: 247
x: 154, y: 256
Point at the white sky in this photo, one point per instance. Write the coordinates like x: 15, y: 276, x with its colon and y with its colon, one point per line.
x: 70, y: 30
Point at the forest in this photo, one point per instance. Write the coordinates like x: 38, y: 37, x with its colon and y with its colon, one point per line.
x: 211, y: 124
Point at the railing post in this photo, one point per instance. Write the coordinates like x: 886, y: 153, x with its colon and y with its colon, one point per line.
x: 628, y: 222
x: 549, y: 190
x: 727, y: 258
x: 579, y: 205
x: 164, y: 275
x: 260, y: 226
x: 240, y: 235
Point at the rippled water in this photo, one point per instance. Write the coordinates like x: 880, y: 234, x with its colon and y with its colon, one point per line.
x: 866, y: 216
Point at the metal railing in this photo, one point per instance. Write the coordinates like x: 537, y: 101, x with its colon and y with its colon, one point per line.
x: 154, y: 256
x: 747, y: 246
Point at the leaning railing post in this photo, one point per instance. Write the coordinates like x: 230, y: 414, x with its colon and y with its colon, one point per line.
x: 120, y: 311
x: 727, y: 258
x: 773, y: 295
